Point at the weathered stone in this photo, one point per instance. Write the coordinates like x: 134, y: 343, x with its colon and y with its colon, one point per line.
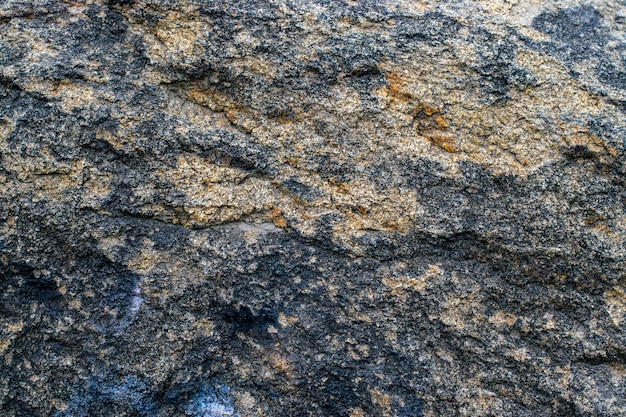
x: 317, y: 207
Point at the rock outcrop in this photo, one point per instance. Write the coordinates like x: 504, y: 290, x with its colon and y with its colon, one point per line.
x: 312, y: 208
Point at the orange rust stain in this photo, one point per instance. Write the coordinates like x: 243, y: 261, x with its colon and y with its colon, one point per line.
x: 231, y: 115
x: 293, y: 161
x: 441, y: 122
x: 202, y: 98
x: 396, y: 86
x: 197, y: 217
x: 429, y: 110
x: 342, y: 187
x: 426, y: 116
x: 442, y: 140
x: 276, y: 216
x: 390, y: 224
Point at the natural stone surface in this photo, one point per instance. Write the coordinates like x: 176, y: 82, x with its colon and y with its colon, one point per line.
x: 312, y: 208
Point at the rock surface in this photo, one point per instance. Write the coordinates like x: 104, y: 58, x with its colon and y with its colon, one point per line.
x: 312, y: 208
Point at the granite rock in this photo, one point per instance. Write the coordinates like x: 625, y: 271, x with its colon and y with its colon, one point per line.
x: 312, y: 208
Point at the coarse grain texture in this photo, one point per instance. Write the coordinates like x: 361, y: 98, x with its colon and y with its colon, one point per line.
x: 312, y: 208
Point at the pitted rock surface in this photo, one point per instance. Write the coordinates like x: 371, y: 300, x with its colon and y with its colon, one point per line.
x: 312, y: 208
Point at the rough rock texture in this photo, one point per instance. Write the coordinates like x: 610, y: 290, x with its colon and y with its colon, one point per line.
x: 312, y: 208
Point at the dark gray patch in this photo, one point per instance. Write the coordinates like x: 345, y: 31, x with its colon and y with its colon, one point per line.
x: 432, y: 28
x: 578, y: 31
x: 579, y: 34
x: 301, y: 190
x: 579, y: 152
x: 609, y: 73
x: 498, y: 73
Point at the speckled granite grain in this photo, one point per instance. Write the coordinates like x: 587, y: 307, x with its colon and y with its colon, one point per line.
x: 312, y: 208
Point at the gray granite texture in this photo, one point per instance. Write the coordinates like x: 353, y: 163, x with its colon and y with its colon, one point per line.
x: 312, y: 208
